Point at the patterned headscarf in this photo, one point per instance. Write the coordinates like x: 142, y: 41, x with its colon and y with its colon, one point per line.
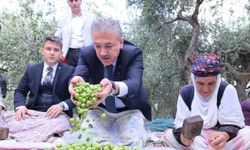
x: 206, y: 65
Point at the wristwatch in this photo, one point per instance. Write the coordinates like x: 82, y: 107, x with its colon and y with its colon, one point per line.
x: 113, y: 90
x: 62, y: 105
x: 113, y: 85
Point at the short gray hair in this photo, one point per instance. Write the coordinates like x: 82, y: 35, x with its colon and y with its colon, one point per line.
x: 107, y: 25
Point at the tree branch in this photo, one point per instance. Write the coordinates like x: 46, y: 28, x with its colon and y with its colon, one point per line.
x: 4, y: 69
x: 237, y: 75
x: 228, y: 50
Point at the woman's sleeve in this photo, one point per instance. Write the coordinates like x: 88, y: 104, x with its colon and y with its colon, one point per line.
x: 181, y: 113
x: 231, y: 117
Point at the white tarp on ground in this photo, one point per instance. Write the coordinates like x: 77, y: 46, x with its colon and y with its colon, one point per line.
x: 125, y: 128
x: 128, y: 128
x: 23, y: 145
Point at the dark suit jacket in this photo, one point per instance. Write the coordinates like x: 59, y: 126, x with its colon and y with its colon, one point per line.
x: 31, y: 81
x: 128, y: 69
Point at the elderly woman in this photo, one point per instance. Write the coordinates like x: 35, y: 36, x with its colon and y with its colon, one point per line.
x: 223, y: 121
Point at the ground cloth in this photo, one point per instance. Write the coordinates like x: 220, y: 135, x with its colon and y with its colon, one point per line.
x: 160, y: 124
x: 240, y: 142
x: 124, y: 128
x: 35, y: 128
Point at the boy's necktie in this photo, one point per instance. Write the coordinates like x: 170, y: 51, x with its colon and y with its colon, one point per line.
x: 48, y: 78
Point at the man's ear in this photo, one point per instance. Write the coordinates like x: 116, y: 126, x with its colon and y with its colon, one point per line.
x: 121, y: 42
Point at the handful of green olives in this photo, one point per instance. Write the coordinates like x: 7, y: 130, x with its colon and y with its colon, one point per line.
x: 84, y: 94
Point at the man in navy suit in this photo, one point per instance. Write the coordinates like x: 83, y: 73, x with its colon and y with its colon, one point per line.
x: 124, y: 82
x: 46, y: 83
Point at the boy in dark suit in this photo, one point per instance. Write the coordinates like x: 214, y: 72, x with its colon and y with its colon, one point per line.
x: 46, y: 83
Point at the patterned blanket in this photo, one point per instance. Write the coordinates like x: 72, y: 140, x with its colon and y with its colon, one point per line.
x: 35, y: 128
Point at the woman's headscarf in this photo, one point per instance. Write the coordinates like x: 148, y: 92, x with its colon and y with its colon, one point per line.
x: 206, y: 65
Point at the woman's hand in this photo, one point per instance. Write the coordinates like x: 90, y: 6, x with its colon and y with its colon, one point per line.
x: 186, y: 141
x: 218, y: 140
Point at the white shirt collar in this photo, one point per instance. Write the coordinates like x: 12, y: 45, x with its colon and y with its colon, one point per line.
x: 45, y: 66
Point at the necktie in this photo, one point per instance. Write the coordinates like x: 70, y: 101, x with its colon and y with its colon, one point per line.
x: 48, y: 78
x: 110, y: 100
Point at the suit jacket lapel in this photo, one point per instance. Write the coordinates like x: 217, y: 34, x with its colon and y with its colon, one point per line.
x: 38, y: 77
x: 99, y: 71
x: 118, y: 69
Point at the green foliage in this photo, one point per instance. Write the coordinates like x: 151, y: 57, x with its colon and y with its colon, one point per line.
x: 164, y: 49
x: 164, y: 45
x: 235, y: 46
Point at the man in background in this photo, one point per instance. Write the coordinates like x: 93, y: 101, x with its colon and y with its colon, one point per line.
x: 74, y: 30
